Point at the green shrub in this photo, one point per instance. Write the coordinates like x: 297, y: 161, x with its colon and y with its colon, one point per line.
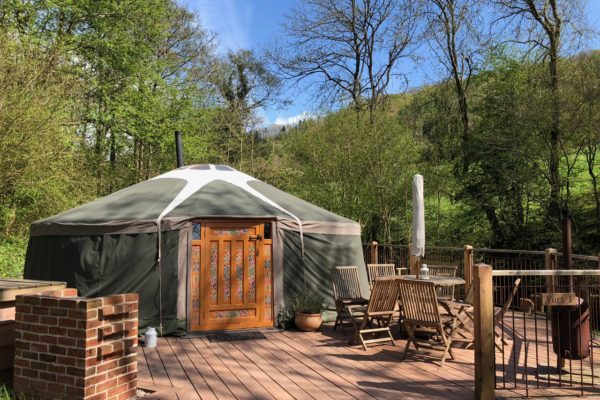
x: 7, y: 394
x: 307, y: 303
x: 12, y: 257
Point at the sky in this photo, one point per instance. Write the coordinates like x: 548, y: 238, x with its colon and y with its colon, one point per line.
x: 251, y: 24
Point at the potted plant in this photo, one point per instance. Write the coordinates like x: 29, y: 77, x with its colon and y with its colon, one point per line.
x: 307, y: 309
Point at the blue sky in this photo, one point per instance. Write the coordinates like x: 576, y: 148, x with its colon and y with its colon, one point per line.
x: 253, y: 23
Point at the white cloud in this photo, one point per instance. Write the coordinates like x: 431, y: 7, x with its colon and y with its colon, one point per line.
x: 294, y: 120
x: 230, y: 19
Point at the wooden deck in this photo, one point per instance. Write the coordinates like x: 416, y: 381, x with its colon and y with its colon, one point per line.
x: 320, y: 365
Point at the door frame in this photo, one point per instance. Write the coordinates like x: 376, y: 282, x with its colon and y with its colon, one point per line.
x: 231, y: 222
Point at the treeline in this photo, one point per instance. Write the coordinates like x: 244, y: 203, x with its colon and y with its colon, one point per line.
x: 91, y: 92
x: 507, y: 137
x: 500, y: 199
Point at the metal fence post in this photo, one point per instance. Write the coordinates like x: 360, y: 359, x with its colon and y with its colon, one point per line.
x: 484, y: 333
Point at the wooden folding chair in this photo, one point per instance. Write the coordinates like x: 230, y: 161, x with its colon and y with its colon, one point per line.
x: 346, y: 292
x: 499, y: 316
x: 421, y: 314
x: 381, y: 307
x: 463, y: 311
x: 380, y: 270
x: 444, y: 292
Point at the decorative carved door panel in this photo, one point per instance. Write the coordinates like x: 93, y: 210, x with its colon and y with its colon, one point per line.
x: 231, y: 279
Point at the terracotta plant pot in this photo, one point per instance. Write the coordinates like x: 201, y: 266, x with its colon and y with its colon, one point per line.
x: 308, y: 322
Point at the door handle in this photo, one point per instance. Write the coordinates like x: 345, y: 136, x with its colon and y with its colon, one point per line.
x: 257, y: 237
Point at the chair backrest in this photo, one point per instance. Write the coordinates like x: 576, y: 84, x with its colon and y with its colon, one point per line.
x: 419, y: 302
x: 379, y: 270
x: 346, y: 284
x: 384, y: 295
x: 444, y: 270
x: 498, y: 317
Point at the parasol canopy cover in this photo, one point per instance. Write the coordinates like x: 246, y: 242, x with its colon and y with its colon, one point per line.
x: 418, y: 222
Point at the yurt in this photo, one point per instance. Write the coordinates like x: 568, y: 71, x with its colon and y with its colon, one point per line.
x: 206, y: 247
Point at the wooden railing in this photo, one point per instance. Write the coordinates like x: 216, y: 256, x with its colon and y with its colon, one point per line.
x: 465, y: 257
x: 547, y: 345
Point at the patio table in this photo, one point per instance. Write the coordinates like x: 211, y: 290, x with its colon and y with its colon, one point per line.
x: 437, y: 279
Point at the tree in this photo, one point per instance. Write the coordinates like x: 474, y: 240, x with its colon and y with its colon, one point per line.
x: 243, y: 86
x: 356, y: 167
x: 40, y: 166
x: 545, y: 26
x: 454, y: 34
x: 348, y: 49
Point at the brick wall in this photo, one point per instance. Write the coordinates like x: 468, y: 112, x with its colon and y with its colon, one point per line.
x: 69, y: 347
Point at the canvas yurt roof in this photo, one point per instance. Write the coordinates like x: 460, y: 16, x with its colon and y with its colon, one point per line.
x: 204, y: 190
x: 139, y: 239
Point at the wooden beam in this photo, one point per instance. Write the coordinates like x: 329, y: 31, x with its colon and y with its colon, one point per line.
x: 484, y: 333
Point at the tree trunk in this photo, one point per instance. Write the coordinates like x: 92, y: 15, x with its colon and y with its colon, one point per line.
x: 554, y: 206
x: 590, y: 156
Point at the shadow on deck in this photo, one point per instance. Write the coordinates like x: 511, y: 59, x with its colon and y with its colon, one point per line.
x: 319, y: 365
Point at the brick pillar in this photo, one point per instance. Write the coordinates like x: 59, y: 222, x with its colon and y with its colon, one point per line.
x: 76, y: 348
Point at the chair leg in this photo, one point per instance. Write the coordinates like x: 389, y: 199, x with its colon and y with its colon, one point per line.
x: 338, y: 318
x: 363, y: 323
x: 411, y: 339
x: 447, y: 347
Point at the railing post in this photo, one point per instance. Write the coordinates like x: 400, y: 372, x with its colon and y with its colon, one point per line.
x: 413, y: 262
x: 484, y: 333
x: 468, y: 265
x: 550, y: 264
x: 374, y: 253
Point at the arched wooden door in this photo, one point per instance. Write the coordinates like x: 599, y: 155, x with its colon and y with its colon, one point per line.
x: 231, y: 276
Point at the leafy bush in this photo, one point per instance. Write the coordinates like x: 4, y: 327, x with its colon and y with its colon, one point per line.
x: 7, y: 394
x: 12, y: 257
x: 307, y: 303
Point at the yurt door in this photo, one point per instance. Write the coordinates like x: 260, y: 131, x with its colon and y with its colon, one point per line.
x: 232, y: 288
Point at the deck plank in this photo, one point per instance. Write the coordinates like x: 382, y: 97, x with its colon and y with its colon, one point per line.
x: 321, y: 365
x: 240, y: 371
x: 237, y: 388
x: 274, y: 371
x: 365, y: 379
x: 177, y: 374
x: 344, y: 382
x: 194, y: 376
x: 369, y: 371
x: 217, y: 386
x: 323, y: 388
x: 156, y: 367
x: 143, y: 371
x: 293, y: 370
x: 249, y: 365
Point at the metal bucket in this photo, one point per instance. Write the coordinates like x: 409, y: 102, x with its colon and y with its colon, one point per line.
x: 571, y: 331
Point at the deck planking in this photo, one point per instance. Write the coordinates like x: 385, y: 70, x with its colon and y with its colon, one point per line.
x: 322, y: 365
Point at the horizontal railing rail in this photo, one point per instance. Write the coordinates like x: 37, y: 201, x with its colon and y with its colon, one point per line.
x: 547, y: 272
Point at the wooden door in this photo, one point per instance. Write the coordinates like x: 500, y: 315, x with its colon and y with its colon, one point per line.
x: 232, y: 285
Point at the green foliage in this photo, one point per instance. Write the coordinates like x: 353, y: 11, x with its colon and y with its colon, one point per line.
x: 93, y: 90
x: 354, y: 167
x: 12, y: 257
x: 306, y: 303
x: 8, y: 394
